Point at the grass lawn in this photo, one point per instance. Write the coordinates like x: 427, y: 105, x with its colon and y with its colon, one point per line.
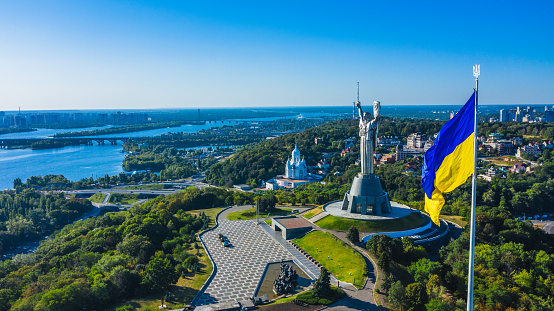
x: 532, y: 137
x: 123, y: 198
x: 405, y: 223
x: 149, y: 187
x: 336, y: 295
x: 455, y: 219
x: 312, y: 212
x: 210, y: 212
x: 330, y: 252
x: 251, y: 213
x: 268, y: 221
x: 504, y: 160
x: 97, y: 198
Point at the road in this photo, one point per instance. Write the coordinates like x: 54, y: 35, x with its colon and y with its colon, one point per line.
x: 548, y: 227
x: 196, y: 182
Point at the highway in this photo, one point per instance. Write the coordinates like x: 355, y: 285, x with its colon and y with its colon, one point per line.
x: 196, y: 182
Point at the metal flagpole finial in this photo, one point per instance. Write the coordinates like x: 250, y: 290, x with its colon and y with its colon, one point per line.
x: 477, y: 71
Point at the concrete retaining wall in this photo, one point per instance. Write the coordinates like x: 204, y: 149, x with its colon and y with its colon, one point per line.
x: 400, y: 234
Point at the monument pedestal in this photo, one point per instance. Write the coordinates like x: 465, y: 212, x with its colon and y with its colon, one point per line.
x: 366, y: 196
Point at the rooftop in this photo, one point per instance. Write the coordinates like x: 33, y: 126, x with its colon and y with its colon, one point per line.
x: 293, y: 222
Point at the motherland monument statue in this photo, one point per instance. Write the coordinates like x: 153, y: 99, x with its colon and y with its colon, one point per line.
x: 366, y: 196
x: 368, y: 136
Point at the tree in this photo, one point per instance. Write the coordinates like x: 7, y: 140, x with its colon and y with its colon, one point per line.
x: 159, y: 273
x: 137, y: 246
x: 387, y: 282
x: 353, y: 235
x: 437, y: 305
x: 124, y: 280
x: 384, y: 261
x: 423, y: 269
x: 17, y: 183
x: 320, y: 199
x: 395, y: 294
x: 416, y: 297
x: 191, y: 262
x: 322, y: 284
x: 267, y: 203
x: 7, y: 297
x: 411, y: 252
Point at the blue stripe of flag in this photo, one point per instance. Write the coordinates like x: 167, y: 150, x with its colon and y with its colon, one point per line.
x: 453, y: 133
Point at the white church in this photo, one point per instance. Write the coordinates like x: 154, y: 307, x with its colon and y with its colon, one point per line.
x: 296, y: 168
x: 296, y: 173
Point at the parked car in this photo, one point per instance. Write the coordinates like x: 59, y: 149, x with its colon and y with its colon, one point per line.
x: 224, y: 241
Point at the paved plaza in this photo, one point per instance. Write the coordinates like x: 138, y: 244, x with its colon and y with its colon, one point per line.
x: 239, y: 267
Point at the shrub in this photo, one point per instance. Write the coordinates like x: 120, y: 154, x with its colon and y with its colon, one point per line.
x: 353, y: 235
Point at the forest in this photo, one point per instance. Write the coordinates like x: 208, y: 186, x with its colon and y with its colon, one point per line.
x: 30, y: 215
x: 101, y: 260
x: 514, y: 262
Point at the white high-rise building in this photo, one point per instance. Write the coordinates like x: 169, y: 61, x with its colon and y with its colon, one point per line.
x: 504, y: 115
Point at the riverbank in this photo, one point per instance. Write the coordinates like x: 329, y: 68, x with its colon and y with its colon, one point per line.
x: 126, y: 129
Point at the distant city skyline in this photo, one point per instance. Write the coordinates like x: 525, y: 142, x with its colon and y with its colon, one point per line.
x: 67, y: 55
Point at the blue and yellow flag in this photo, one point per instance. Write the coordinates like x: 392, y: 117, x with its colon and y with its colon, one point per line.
x: 449, y: 162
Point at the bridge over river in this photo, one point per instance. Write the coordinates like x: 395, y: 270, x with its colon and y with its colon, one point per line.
x: 11, y: 143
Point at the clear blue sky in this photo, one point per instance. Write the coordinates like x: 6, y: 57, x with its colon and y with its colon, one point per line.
x: 159, y: 54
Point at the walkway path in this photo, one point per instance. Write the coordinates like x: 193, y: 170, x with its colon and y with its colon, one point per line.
x: 307, y: 265
x: 358, y: 299
x: 106, y: 198
x: 239, y: 267
x: 318, y: 217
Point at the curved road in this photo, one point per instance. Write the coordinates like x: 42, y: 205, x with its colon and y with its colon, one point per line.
x: 549, y: 227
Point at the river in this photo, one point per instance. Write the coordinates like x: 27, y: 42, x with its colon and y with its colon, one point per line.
x: 74, y: 162
x: 77, y: 162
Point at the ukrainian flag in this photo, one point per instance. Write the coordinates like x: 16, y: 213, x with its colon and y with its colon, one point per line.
x: 449, y: 162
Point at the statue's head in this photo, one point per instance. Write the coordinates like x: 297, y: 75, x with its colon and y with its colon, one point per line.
x: 367, y: 115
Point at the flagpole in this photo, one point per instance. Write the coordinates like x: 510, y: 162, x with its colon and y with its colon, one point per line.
x: 476, y: 73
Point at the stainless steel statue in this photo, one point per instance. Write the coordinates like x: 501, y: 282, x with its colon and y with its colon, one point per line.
x: 368, y: 136
x: 366, y: 196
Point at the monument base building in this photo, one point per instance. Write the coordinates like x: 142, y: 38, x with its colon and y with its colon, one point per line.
x: 366, y: 196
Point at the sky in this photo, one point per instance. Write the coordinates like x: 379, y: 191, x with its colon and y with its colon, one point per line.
x: 194, y: 54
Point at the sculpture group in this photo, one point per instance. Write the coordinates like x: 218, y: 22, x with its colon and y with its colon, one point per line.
x: 287, y: 280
